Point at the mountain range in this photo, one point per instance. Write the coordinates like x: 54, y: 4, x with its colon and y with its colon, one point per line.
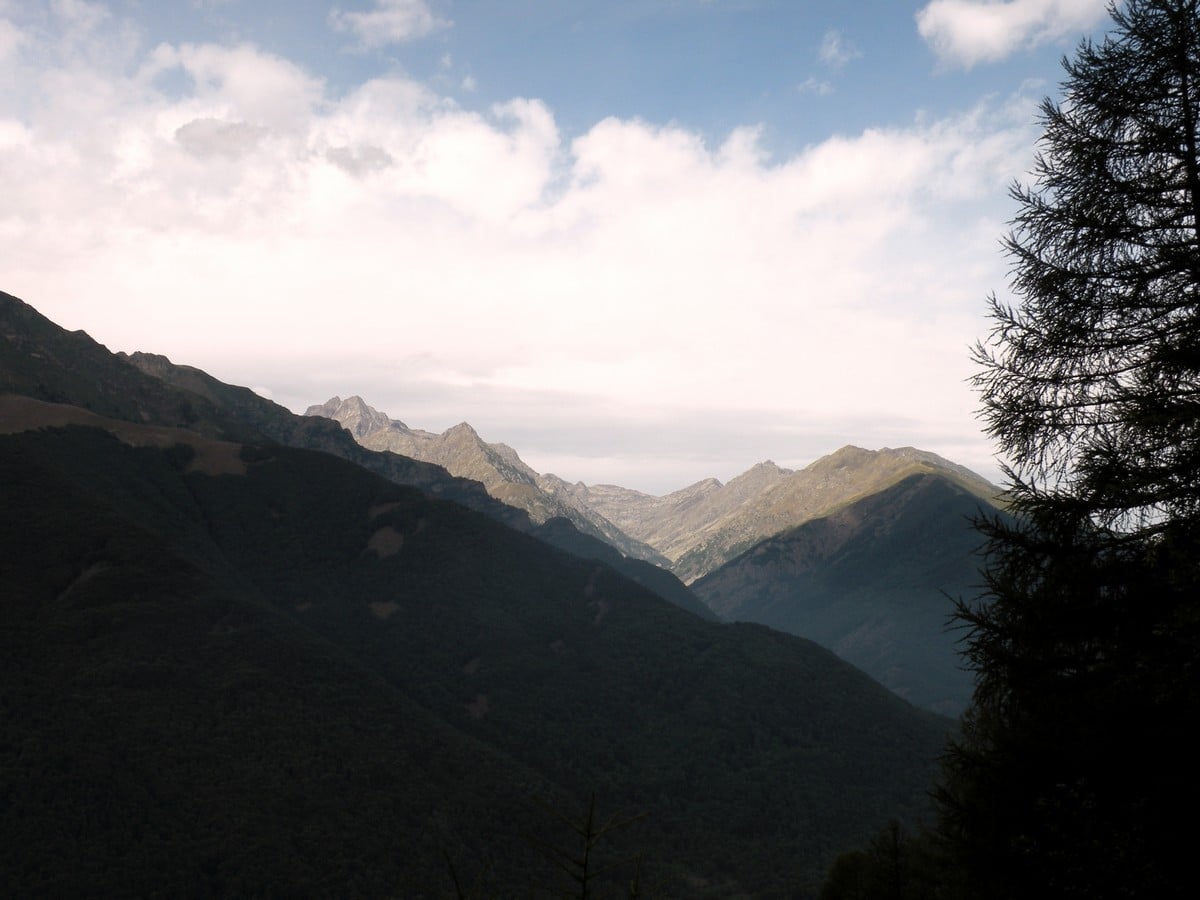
x: 862, y: 551
x: 463, y: 453
x: 237, y: 666
x: 705, y: 525
x: 692, y: 531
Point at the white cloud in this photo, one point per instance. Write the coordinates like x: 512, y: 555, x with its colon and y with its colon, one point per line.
x: 80, y: 14
x: 835, y: 51
x: 243, y: 82
x: 361, y: 159
x: 11, y: 39
x: 814, y: 85
x: 477, y: 265
x: 967, y: 32
x: 389, y: 22
x: 213, y: 137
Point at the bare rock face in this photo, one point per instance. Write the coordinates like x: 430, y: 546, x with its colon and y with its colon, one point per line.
x: 498, y: 467
x: 354, y: 415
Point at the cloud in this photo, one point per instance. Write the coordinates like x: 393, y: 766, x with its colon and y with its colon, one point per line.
x: 814, y: 85
x: 479, y: 265
x: 208, y: 137
x: 79, y: 14
x: 240, y: 83
x: 389, y: 22
x: 360, y: 160
x: 836, y: 51
x: 968, y: 32
x: 11, y: 39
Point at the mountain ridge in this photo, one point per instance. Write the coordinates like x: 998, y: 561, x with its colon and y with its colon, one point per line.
x: 691, y: 531
x: 42, y: 360
x: 873, y: 580
x: 323, y: 433
x: 893, y: 627
x: 700, y: 530
x: 498, y: 467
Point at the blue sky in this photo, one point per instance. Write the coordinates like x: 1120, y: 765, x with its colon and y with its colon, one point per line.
x: 802, y: 69
x: 643, y: 243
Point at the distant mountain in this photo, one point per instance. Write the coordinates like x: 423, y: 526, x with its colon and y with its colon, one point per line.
x: 674, y: 523
x: 511, y: 498
x: 702, y: 527
x: 462, y: 452
x: 691, y: 531
x: 237, y: 669
x: 873, y: 581
x: 886, y: 610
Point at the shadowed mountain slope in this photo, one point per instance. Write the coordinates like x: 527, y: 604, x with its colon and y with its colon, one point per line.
x: 172, y: 730
x: 278, y: 672
x: 318, y: 432
x: 872, y: 581
x: 39, y: 359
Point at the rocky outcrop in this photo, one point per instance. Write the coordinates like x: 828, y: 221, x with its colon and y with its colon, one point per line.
x: 462, y: 452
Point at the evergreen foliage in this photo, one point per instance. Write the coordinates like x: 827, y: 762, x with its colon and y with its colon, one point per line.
x: 896, y: 865
x: 1090, y: 385
x: 578, y: 860
x: 1074, y: 770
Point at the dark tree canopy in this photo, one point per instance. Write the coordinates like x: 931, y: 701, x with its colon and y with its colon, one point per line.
x: 1076, y: 773
x: 1092, y: 384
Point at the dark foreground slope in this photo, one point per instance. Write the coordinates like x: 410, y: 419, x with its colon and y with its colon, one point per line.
x: 874, y: 582
x: 168, y: 731
x: 251, y: 669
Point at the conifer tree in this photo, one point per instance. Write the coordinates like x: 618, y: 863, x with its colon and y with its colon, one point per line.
x: 1076, y: 766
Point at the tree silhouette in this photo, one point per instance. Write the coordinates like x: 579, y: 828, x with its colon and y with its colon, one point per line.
x: 577, y: 861
x: 1074, y: 766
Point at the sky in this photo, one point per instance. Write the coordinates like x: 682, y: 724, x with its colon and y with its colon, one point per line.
x: 643, y: 243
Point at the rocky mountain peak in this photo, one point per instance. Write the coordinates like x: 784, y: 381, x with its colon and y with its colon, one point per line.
x: 760, y: 475
x: 355, y: 415
x: 147, y: 362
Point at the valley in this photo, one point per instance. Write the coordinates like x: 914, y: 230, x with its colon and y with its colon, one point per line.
x: 256, y: 654
x: 862, y: 551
